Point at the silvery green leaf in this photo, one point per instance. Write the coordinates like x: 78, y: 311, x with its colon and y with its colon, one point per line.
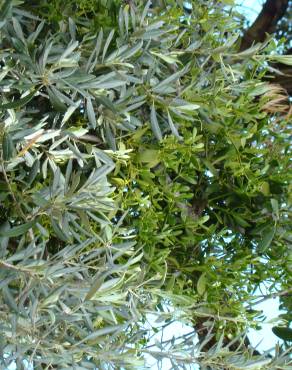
x: 45, y: 168
x: 72, y: 29
x: 8, y: 149
x: 154, y: 26
x: 18, y: 29
x: 60, y: 234
x: 90, y: 113
x: 172, y: 126
x: 154, y: 123
x: 19, y: 102
x: 3, y: 73
x: 108, y: 84
x: 6, y: 8
x: 17, y: 230
x: 188, y: 107
x: 110, y: 137
x: 106, y: 102
x: 104, y: 331
x: 76, y: 131
x: 53, y: 297
x: 42, y: 230
x: 56, y: 181
x: 285, y: 59
x: 33, y: 36
x: 107, y: 43
x: 41, y: 135
x: 100, y: 155
x: 99, y: 43
x: 44, y: 58
x: 92, y: 60
x: 29, y: 159
x: 227, y: 44
x: 68, y: 174
x: 136, y: 105
x: 116, y: 55
x: 9, y: 300
x: 172, y: 78
x: 97, y: 175
x: 4, y: 239
x: 59, y: 141
x: 145, y: 12
x: 194, y: 46
x: 72, y: 46
x: 78, y: 155
x: 62, y: 97
x: 56, y: 99
x: 69, y: 112
x: 33, y: 172
x: 126, y: 18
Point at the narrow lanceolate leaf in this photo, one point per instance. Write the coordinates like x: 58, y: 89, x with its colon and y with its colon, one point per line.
x: 32, y: 37
x: 69, y: 112
x: 129, y: 52
x: 202, y: 284
x: 18, y: 29
x: 145, y: 11
x: 285, y: 59
x: 18, y: 103
x: 98, y: 43
x: 97, y: 283
x: 7, y: 146
x: 5, y: 9
x: 90, y: 113
x: 170, y: 79
x: 104, y: 331
x: 17, y: 230
x: 68, y: 51
x: 172, y: 126
x: 282, y: 332
x: 189, y: 107
x: 267, y: 238
x: 107, y: 43
x: 53, y: 297
x: 154, y: 123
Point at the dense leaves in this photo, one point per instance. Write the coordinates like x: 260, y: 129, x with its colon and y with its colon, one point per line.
x: 144, y: 170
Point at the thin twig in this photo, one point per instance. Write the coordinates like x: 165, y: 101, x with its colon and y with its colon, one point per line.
x: 273, y: 295
x: 16, y: 268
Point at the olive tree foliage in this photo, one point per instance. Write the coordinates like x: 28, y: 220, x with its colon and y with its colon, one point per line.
x: 144, y: 170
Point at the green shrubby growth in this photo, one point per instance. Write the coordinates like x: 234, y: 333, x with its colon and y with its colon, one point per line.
x: 144, y: 166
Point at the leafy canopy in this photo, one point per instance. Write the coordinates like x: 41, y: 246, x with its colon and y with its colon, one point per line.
x: 144, y: 169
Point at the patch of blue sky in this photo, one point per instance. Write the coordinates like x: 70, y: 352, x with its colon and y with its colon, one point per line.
x: 250, y: 8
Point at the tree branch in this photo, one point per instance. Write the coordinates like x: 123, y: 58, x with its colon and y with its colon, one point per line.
x: 272, y: 13
x: 266, y: 22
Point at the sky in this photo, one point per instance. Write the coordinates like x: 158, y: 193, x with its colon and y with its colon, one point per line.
x: 250, y: 8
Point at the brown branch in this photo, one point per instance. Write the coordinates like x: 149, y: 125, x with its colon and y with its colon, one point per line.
x: 273, y: 11
x: 266, y: 22
x: 286, y: 292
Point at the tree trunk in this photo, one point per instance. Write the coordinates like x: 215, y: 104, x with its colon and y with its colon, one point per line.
x: 266, y: 22
x: 272, y: 12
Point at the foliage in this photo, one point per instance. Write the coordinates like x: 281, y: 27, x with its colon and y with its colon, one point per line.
x: 88, y: 14
x: 144, y: 166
